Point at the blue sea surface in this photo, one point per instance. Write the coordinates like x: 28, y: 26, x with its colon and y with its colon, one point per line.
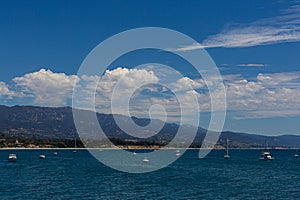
x: 81, y: 176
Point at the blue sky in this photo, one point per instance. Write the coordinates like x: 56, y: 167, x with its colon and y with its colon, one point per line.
x: 255, y: 44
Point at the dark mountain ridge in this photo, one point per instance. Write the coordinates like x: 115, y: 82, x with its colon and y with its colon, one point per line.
x: 57, y: 123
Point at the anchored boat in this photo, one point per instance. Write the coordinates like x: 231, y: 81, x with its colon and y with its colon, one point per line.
x: 12, y: 157
x: 265, y: 155
x: 226, y: 156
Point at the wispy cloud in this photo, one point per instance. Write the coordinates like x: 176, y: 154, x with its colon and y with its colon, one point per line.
x: 283, y: 28
x: 259, y: 114
x: 251, y: 65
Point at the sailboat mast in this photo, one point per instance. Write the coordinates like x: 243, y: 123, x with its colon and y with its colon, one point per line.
x: 75, y: 146
x: 227, y: 153
x: 227, y: 146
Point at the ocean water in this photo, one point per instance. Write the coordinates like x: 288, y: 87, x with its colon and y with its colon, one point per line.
x: 81, y: 176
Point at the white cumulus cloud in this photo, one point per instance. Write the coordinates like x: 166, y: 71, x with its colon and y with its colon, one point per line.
x: 186, y: 83
x: 269, y: 95
x: 5, y: 91
x: 46, y: 87
x: 118, y: 82
x: 266, y: 95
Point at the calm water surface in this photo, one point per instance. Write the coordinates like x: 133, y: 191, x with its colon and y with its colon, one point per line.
x: 80, y: 176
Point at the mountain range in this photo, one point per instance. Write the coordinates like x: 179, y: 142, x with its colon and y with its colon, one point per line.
x: 34, y: 122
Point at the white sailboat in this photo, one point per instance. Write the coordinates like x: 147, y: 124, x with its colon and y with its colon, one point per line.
x: 296, y: 155
x: 226, y: 156
x: 145, y: 160
x: 177, y: 152
x: 75, y: 146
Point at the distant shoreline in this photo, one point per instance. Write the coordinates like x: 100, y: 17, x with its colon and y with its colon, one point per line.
x: 142, y: 148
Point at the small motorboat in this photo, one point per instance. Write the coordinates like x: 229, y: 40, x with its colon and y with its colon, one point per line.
x: 42, y: 156
x: 55, y: 153
x: 296, y: 155
x: 265, y: 155
x: 145, y: 160
x: 12, y: 157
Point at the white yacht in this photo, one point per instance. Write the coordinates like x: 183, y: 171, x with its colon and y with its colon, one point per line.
x: 145, y: 160
x: 265, y: 155
x: 12, y: 157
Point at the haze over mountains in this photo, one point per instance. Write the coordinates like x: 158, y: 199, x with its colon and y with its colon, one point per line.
x: 57, y: 123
